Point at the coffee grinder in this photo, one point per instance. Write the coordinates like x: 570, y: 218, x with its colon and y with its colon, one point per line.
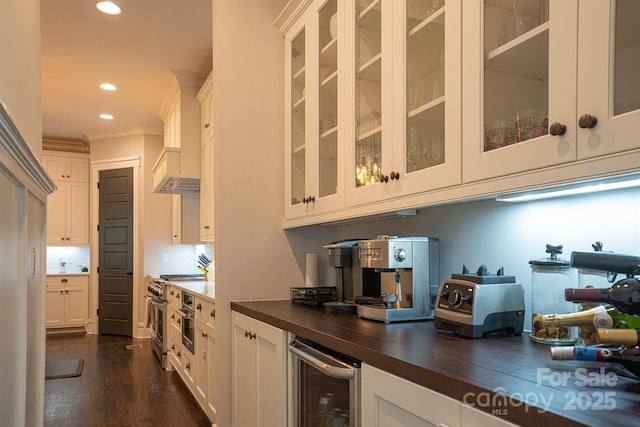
x: 407, y: 269
x: 343, y: 256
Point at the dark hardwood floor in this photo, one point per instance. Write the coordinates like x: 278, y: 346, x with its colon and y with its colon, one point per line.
x: 118, y: 386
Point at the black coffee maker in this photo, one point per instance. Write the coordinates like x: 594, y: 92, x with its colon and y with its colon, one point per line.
x: 349, y: 276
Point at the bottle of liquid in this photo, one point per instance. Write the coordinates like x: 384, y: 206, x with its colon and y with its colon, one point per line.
x: 600, y: 316
x: 627, y: 357
x: 623, y: 295
x: 618, y: 336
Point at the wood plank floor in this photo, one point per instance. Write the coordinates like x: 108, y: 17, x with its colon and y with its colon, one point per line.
x: 118, y: 386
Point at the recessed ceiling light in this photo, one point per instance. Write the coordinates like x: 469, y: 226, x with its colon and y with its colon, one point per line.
x: 106, y: 116
x: 108, y: 7
x: 108, y: 86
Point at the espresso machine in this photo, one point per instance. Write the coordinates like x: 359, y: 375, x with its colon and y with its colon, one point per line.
x: 406, y: 270
x: 349, y: 277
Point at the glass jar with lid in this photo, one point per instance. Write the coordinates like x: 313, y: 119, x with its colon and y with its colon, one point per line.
x: 549, y: 278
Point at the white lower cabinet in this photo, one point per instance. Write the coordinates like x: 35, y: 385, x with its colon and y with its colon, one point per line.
x: 205, y: 349
x: 258, y: 373
x: 391, y: 401
x: 67, y: 301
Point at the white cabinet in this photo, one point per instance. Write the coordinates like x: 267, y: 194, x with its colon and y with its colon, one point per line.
x: 206, y: 359
x: 258, y: 373
x: 177, y: 169
x: 391, y: 401
x: 314, y: 117
x: 473, y: 417
x: 370, y: 114
x: 536, y: 71
x: 205, y: 385
x: 406, y: 91
x: 184, y: 220
x: 68, y: 206
x: 63, y: 168
x: 67, y: 301
x: 205, y: 97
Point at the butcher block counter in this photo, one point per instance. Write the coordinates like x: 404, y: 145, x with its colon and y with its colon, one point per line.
x: 509, y: 377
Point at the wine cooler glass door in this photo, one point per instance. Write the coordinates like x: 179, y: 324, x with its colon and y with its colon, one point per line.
x: 325, y: 387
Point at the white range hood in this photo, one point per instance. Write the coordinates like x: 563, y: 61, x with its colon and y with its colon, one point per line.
x: 171, y: 176
x: 177, y: 170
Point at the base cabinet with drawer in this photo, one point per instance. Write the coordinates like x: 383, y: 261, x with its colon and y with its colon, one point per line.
x: 67, y: 301
x: 258, y: 373
x: 391, y: 401
x: 205, y: 354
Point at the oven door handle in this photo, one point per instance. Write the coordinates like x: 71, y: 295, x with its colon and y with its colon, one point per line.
x: 185, y: 314
x: 322, y: 362
x: 159, y: 305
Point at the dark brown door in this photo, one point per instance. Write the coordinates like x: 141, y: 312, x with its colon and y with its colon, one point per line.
x: 115, y: 309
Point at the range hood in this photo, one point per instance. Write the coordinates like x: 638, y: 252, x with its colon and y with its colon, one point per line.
x: 177, y: 170
x: 174, y: 172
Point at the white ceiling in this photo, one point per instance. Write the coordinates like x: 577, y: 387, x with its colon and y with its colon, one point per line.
x: 82, y: 47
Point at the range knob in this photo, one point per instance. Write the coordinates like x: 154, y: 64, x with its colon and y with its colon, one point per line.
x: 400, y: 255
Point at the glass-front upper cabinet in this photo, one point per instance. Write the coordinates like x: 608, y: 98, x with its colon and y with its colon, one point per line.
x: 313, y: 67
x: 296, y: 128
x: 608, y: 110
x: 406, y: 85
x: 532, y: 100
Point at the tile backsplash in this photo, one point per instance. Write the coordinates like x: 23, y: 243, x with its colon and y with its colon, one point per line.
x: 74, y: 257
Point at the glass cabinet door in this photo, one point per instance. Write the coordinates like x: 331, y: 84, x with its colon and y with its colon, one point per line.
x: 516, y: 72
x: 297, y: 120
x: 609, y: 77
x: 424, y: 84
x: 328, y: 100
x: 520, y: 70
x: 368, y: 93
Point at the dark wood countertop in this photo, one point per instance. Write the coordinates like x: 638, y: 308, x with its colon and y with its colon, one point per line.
x: 510, y: 377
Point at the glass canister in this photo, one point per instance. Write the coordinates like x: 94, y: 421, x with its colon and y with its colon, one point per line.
x: 549, y: 278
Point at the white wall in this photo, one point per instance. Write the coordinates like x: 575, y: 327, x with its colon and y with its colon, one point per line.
x: 22, y: 355
x: 254, y: 259
x: 20, y: 87
x: 509, y: 235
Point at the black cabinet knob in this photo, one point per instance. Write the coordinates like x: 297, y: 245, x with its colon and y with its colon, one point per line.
x: 587, y: 121
x: 394, y: 175
x: 557, y: 129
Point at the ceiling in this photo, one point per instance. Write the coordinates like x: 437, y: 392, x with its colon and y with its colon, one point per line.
x: 82, y: 47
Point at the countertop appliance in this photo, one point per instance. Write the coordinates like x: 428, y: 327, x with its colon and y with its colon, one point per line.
x: 481, y: 304
x: 407, y: 271
x: 325, y: 386
x: 343, y: 257
x: 315, y: 296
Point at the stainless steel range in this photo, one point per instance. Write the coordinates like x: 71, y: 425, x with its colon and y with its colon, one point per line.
x: 158, y: 308
x: 157, y: 317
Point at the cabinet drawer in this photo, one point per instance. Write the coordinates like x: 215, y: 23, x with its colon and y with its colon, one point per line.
x: 206, y: 310
x: 71, y: 280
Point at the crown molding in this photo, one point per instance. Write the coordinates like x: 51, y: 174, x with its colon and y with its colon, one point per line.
x: 111, y: 134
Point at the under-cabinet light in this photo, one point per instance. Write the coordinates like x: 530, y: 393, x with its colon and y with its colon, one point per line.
x: 108, y: 7
x: 106, y: 116
x: 585, y: 187
x: 403, y: 213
